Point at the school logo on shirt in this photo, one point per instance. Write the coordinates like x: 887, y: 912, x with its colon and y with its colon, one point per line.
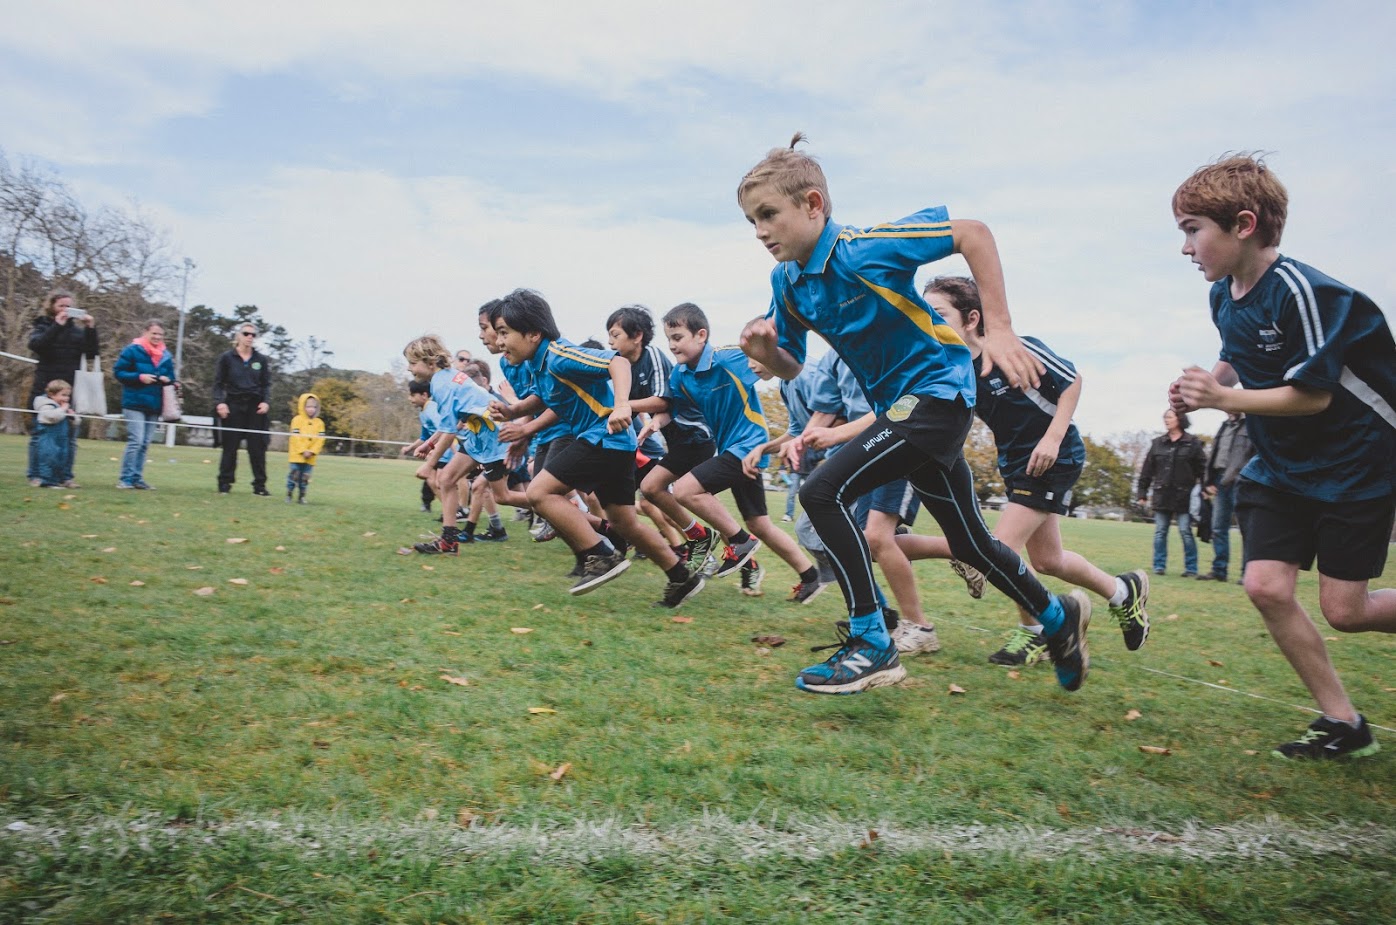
x: 903, y: 408
x: 1270, y: 339
x: 458, y: 378
x: 997, y: 385
x: 256, y: 365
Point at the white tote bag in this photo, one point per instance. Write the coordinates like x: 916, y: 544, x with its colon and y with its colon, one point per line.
x: 89, y: 391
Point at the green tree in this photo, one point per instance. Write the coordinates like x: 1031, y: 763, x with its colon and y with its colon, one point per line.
x: 1107, y: 480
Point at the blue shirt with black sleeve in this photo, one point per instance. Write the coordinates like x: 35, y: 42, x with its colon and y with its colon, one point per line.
x: 521, y: 378
x: 858, y: 292
x: 649, y: 378
x: 723, y: 387
x: 575, y: 382
x: 1018, y: 418
x: 1297, y: 326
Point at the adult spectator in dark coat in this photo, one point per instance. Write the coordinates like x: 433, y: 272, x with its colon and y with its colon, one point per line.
x: 1175, y: 464
x: 61, y: 337
x: 242, y: 397
x: 1231, y: 450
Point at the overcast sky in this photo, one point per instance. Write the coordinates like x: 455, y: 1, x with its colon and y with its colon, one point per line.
x: 366, y: 171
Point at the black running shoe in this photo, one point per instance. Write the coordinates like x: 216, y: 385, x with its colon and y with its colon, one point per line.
x: 438, y: 547
x: 1023, y: 649
x: 1133, y: 619
x: 1327, y: 738
x: 676, y: 592
x: 597, y: 570
x: 1070, y: 658
x: 734, y: 557
x: 804, y: 592
x: 493, y: 536
x: 753, y: 574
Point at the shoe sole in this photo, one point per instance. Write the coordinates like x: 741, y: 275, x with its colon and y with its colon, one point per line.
x: 585, y: 586
x: 973, y: 587
x: 884, y: 678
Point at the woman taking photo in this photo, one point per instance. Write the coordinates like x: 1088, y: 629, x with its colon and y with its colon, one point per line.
x: 144, y: 368
x: 61, y: 337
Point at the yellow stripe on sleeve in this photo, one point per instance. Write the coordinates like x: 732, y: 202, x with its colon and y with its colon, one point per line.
x: 918, y: 316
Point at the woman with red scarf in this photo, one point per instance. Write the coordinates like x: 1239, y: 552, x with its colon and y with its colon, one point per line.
x: 144, y: 368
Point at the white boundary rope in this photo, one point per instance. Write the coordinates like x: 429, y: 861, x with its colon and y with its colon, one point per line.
x: 214, y: 425
x: 15, y: 356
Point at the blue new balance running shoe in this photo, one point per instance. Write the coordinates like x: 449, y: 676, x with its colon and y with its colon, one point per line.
x: 1067, y: 645
x: 855, y: 667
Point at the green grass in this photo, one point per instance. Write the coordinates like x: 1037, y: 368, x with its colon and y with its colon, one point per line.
x: 312, y: 696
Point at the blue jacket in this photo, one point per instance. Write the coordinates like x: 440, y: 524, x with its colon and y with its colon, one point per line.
x: 130, y: 364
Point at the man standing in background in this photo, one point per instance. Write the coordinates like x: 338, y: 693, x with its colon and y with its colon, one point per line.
x: 242, y: 395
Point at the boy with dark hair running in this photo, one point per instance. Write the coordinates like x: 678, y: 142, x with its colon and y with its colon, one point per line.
x: 856, y: 289
x: 1316, y: 364
x: 587, y: 389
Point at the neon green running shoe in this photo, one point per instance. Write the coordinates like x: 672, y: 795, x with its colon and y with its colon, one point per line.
x: 1023, y: 649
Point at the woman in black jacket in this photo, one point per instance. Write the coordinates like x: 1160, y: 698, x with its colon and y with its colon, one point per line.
x: 59, y: 340
x: 1175, y: 464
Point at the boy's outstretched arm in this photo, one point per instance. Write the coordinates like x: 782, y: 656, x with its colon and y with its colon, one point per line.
x: 760, y: 342
x: 1197, y: 388
x: 1001, y: 346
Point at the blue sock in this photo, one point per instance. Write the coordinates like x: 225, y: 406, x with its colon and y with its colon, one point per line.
x: 871, y: 628
x: 1053, y: 617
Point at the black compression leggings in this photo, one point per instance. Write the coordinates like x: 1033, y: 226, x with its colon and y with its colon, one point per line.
x: 863, y: 464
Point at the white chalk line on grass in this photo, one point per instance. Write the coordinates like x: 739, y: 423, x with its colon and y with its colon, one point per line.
x: 1179, y: 677
x: 709, y: 839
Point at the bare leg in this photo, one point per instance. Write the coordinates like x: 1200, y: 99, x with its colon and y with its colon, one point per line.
x: 641, y: 535
x: 779, y: 542
x: 705, y: 506
x: 881, y: 533
x: 548, y: 497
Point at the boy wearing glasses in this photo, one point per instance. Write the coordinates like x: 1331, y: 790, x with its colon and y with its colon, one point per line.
x: 242, y: 398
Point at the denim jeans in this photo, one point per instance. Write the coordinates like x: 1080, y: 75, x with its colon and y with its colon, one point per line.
x: 1223, y: 507
x: 792, y: 493
x: 140, y: 426
x: 51, y: 453
x: 1161, y: 521
x: 69, y: 436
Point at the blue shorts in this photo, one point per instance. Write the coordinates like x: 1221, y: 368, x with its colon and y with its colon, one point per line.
x: 898, y: 499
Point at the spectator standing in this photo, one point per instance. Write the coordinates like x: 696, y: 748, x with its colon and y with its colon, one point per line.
x: 143, y: 368
x: 1231, y: 450
x: 242, y: 397
x: 1175, y: 464
x: 62, y: 335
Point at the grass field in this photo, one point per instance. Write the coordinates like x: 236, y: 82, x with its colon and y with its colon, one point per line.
x: 287, y: 747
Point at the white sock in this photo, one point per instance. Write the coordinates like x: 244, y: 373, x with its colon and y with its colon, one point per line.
x: 1121, y: 592
x: 1035, y: 629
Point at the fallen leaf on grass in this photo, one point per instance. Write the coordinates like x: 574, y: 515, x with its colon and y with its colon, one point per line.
x: 868, y: 839
x: 955, y: 689
x: 109, y: 549
x: 465, y: 818
x: 1132, y: 715
x: 280, y: 548
x: 405, y: 550
x: 71, y: 497
x: 520, y: 630
x: 371, y: 533
x: 428, y: 568
x: 234, y: 540
x: 90, y: 536
x: 97, y: 580
x: 775, y: 642
x: 540, y: 710
x: 1262, y: 795
x: 277, y: 570
x: 138, y: 583
x: 1171, y: 616
x: 1330, y: 638
x: 1015, y: 674
x: 537, y: 606
x: 561, y: 770
x: 237, y: 581
x: 193, y: 568
x: 460, y: 682
x: 64, y: 506
x: 762, y: 651
x: 1214, y: 663
x: 57, y: 697
x: 1155, y: 750
x: 683, y: 619
x: 1390, y: 690
x: 451, y: 633
x: 203, y: 592
x: 207, y: 461
x: 1251, y: 751
x: 113, y: 459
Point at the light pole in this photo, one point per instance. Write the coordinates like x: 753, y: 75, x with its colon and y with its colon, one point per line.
x: 179, y: 341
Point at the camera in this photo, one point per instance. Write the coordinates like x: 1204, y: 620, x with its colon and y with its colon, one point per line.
x: 78, y: 313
